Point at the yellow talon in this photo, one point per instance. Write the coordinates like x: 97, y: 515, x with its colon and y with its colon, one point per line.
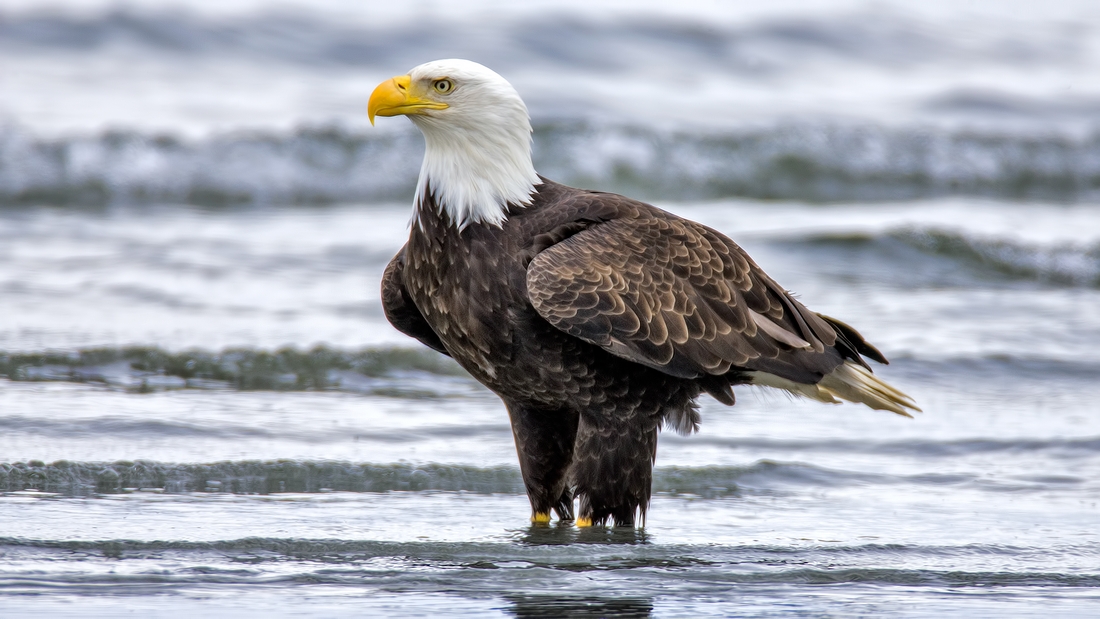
x: 541, y: 518
x: 584, y: 522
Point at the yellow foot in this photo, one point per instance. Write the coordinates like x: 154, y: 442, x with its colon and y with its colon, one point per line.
x: 584, y: 522
x: 541, y: 518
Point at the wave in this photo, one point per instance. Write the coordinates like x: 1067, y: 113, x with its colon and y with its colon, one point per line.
x: 386, y: 371
x: 760, y: 48
x: 1066, y: 264
x: 664, y: 567
x: 302, y: 167
x: 919, y: 448
x: 530, y: 541
x: 254, y: 476
x: 38, y: 478
x: 939, y: 256
x: 376, y: 371
x: 331, y: 164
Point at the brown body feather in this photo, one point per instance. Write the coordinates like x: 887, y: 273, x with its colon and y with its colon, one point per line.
x: 597, y: 318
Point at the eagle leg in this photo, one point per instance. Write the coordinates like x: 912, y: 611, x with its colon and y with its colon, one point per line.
x: 544, y: 442
x: 613, y: 469
x: 564, y: 507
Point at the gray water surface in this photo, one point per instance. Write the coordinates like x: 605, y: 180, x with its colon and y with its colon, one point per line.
x: 203, y: 411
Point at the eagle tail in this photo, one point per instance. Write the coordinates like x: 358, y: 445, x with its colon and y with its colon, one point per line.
x: 849, y: 381
x: 856, y: 383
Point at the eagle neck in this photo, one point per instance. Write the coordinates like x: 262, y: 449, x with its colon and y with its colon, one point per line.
x: 475, y: 172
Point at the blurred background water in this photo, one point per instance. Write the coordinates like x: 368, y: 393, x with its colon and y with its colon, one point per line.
x: 203, y: 410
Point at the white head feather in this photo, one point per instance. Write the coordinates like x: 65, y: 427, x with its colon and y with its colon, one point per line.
x: 477, y: 158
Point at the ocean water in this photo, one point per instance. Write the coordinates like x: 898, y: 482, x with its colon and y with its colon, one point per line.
x: 204, y: 412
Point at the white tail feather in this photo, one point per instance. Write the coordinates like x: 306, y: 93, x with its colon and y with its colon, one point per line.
x: 851, y: 382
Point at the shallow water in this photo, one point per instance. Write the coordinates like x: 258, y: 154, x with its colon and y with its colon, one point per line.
x: 351, y: 472
x: 203, y: 410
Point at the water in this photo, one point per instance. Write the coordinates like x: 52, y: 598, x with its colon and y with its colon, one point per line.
x: 203, y: 410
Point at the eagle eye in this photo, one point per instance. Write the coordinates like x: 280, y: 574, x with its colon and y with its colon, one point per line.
x: 443, y: 86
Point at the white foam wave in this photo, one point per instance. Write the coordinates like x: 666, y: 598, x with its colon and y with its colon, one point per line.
x: 331, y: 164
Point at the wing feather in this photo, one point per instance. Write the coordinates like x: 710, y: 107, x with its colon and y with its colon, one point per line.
x: 400, y: 309
x: 675, y: 295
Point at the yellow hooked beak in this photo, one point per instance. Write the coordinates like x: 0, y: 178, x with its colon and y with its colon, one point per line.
x: 395, y: 96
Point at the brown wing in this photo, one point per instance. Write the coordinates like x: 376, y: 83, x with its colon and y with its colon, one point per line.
x: 399, y: 307
x: 677, y: 296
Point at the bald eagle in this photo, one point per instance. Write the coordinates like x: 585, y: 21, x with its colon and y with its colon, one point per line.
x: 596, y: 318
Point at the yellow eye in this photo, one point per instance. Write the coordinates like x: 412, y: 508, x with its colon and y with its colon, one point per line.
x: 443, y: 86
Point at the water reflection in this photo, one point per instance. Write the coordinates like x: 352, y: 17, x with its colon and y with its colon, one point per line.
x: 566, y: 533
x: 531, y: 606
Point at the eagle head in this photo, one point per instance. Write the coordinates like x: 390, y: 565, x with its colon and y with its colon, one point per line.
x: 477, y: 134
